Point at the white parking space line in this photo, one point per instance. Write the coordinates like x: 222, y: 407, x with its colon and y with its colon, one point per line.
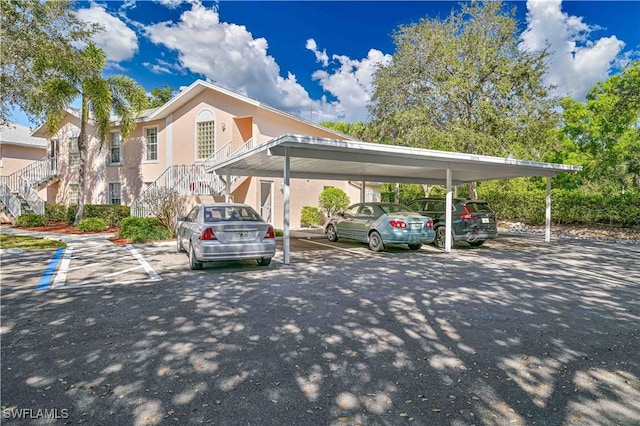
x: 92, y: 263
x: 60, y: 280
x: 152, y: 274
x: 352, y: 251
x: 102, y: 279
x: 98, y: 252
x: 61, y: 276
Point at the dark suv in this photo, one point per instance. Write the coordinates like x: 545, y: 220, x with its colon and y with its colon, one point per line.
x: 471, y: 220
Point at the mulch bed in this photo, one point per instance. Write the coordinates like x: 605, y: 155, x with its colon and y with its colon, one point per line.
x: 64, y: 228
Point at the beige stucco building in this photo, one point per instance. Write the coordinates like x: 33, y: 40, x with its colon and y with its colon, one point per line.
x: 170, y: 148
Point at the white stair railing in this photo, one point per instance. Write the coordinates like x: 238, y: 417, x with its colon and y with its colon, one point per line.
x: 10, y: 201
x: 30, y: 195
x: 25, y: 181
x: 225, y: 152
x: 185, y: 179
x: 188, y: 179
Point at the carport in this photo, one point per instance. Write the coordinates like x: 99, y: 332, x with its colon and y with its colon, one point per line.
x: 305, y: 157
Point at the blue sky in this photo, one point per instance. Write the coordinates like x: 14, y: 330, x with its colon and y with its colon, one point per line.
x: 315, y: 59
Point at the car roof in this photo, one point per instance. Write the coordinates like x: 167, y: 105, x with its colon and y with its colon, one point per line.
x: 225, y: 205
x: 462, y: 200
x: 378, y: 203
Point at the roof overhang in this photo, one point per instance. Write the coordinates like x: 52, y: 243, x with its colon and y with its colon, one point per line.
x: 331, y: 159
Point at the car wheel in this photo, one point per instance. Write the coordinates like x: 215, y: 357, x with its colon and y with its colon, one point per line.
x: 332, y: 235
x: 415, y: 246
x: 179, y: 248
x: 193, y: 263
x: 476, y: 243
x: 264, y: 261
x: 441, y: 234
x: 375, y: 242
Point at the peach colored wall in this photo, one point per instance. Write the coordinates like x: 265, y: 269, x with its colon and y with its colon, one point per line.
x: 16, y: 157
x: 177, y: 145
x: 303, y: 192
x: 68, y: 175
x: 243, y: 121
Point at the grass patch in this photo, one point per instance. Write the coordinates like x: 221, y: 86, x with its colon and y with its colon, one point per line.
x: 30, y: 243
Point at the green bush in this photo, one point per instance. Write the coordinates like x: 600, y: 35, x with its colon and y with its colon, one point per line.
x: 407, y: 192
x: 332, y: 200
x: 71, y: 213
x: 112, y: 214
x: 143, y: 229
x: 29, y: 220
x: 567, y: 206
x: 310, y: 216
x: 55, y: 212
x: 92, y: 224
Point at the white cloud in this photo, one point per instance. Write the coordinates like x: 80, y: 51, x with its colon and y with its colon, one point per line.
x: 577, y: 63
x: 228, y: 55
x: 351, y: 83
x: 118, y: 41
x: 171, y: 4
x: 321, y: 57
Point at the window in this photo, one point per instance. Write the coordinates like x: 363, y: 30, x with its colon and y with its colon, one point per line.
x: 73, y: 194
x: 193, y: 214
x: 74, y: 152
x: 366, y: 211
x: 152, y: 143
x: 206, y: 139
x: 115, y: 193
x: 114, y: 148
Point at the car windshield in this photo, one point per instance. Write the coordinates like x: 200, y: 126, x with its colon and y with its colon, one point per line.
x: 478, y: 207
x: 394, y: 208
x: 230, y: 213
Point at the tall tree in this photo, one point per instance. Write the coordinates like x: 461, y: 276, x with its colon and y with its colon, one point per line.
x: 356, y: 130
x: 160, y: 96
x: 464, y: 84
x: 603, y: 133
x: 35, y: 32
x: 100, y: 97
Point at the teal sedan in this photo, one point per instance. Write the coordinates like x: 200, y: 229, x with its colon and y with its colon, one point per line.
x: 378, y: 224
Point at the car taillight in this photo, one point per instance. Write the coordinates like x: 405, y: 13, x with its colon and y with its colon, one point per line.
x: 397, y: 224
x: 208, y: 234
x: 270, y: 233
x: 429, y: 224
x: 467, y: 215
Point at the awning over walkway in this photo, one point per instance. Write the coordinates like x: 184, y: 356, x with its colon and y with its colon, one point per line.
x: 308, y: 157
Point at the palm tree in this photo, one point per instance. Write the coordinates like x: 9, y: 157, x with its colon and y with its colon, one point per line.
x: 100, y: 97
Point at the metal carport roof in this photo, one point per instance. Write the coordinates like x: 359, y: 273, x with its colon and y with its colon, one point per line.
x: 309, y: 157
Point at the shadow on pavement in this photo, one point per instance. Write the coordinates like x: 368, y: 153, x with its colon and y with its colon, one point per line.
x: 515, y: 332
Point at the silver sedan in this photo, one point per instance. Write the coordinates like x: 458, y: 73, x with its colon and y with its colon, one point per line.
x: 213, y: 232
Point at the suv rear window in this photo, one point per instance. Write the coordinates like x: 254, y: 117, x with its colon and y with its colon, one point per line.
x: 478, y: 207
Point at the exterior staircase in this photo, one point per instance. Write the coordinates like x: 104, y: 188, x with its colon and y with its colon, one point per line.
x: 188, y: 179
x: 18, y: 191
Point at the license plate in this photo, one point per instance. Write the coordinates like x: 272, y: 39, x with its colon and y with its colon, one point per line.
x: 485, y: 220
x: 416, y: 225
x: 240, y: 235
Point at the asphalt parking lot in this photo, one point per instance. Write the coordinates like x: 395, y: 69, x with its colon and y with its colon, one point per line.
x: 514, y: 332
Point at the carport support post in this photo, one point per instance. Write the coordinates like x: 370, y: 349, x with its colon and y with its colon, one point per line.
x: 547, y: 214
x: 227, y: 191
x: 447, y: 213
x: 285, y: 239
x: 362, y: 192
